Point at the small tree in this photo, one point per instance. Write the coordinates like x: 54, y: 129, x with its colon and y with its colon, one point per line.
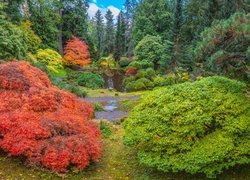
x: 76, y: 53
x: 152, y: 49
x: 51, y: 58
x: 48, y: 126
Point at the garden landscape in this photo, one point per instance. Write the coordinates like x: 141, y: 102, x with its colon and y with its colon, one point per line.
x: 126, y: 89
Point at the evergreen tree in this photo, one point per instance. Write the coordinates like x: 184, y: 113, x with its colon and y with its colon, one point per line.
x: 120, y: 37
x: 99, y: 31
x: 75, y: 19
x: 45, y: 20
x: 129, y: 15
x: 13, y: 11
x: 152, y: 18
x: 109, y: 33
x: 178, y: 21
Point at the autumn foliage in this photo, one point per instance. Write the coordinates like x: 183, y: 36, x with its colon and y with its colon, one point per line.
x: 76, y: 53
x: 132, y: 71
x: 47, y: 126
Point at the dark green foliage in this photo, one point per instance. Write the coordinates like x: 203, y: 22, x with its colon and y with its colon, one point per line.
x: 152, y: 49
x: 143, y: 80
x: 224, y: 46
x: 105, y: 129
x: 75, y: 90
x: 68, y: 85
x: 124, y: 62
x: 200, y: 127
x: 120, y: 39
x: 12, y: 11
x: 74, y: 18
x: 109, y: 34
x: 90, y: 80
x: 12, y: 41
x: 99, y: 25
x: 45, y: 20
x: 152, y: 18
x: 98, y: 107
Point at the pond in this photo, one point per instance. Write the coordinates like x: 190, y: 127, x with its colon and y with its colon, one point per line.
x: 111, y: 110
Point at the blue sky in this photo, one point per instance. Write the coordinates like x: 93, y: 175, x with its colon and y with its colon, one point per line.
x: 104, y: 5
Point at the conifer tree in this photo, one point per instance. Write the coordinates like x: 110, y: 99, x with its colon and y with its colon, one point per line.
x: 109, y: 33
x: 120, y: 37
x: 99, y: 31
x: 152, y: 18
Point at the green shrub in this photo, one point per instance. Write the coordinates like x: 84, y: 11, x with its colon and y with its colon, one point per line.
x: 105, y: 129
x: 128, y: 79
x: 75, y: 90
x: 149, y: 73
x: 199, y: 127
x: 124, y: 62
x: 167, y: 80
x: 90, y: 80
x: 152, y: 49
x: 51, y: 58
x: 98, y: 107
x: 12, y: 42
x: 140, y: 84
x: 32, y: 40
x: 140, y: 64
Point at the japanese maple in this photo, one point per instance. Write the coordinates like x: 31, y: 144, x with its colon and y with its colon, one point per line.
x: 46, y: 125
x: 76, y: 52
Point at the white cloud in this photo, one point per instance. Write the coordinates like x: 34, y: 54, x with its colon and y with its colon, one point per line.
x: 93, y: 8
x: 114, y: 10
x: 95, y: 1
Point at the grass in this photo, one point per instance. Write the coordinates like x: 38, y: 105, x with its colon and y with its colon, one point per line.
x: 110, y: 93
x: 117, y: 162
x: 127, y: 105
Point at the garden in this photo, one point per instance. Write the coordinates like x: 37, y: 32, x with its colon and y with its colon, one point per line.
x: 139, y: 94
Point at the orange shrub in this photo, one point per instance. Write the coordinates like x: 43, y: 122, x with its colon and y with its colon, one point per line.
x: 46, y: 125
x: 76, y: 53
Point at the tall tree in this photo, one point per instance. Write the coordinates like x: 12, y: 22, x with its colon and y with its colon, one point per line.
x: 129, y: 15
x: 13, y: 11
x: 178, y: 21
x: 99, y: 31
x: 75, y: 19
x: 120, y: 38
x: 44, y: 20
x: 152, y: 18
x: 109, y: 33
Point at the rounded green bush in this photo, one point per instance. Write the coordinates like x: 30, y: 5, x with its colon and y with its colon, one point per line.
x: 199, y: 127
x: 90, y: 80
x: 167, y: 80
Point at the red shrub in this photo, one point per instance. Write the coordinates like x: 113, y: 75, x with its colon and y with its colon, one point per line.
x: 132, y: 71
x: 48, y: 126
x: 76, y: 52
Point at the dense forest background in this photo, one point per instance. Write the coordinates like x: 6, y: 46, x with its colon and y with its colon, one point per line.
x: 208, y: 35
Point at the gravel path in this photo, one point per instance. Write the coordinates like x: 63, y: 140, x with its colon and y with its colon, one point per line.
x: 110, y: 104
